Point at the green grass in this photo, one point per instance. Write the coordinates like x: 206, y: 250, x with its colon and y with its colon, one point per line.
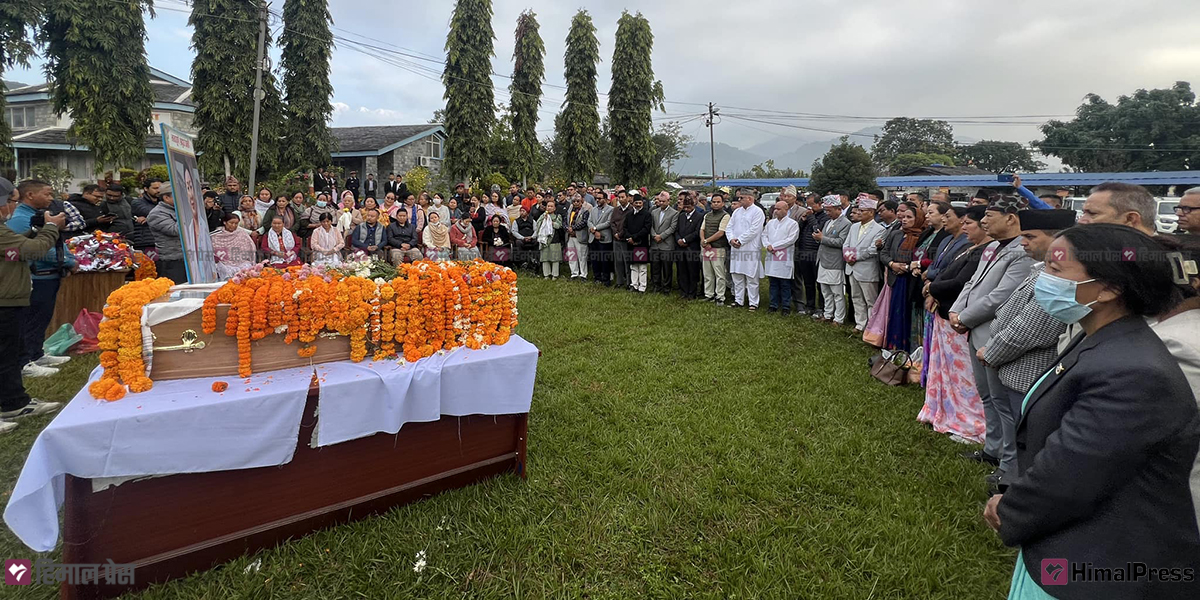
x: 677, y: 450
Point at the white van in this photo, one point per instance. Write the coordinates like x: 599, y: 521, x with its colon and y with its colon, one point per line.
x: 1165, y: 219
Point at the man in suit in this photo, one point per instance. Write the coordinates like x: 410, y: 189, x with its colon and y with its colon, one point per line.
x: 687, y: 247
x: 1002, y: 268
x: 1024, y: 337
x: 662, y: 242
x: 620, y: 246
x: 578, y: 237
x: 862, y: 268
x: 806, y: 256
x: 320, y: 182
x: 600, y: 251
x: 370, y: 186
x: 352, y: 184
x: 830, y: 263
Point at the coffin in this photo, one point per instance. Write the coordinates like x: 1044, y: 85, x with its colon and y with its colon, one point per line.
x: 179, y: 354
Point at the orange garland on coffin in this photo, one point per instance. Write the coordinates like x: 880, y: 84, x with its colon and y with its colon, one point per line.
x: 120, y: 339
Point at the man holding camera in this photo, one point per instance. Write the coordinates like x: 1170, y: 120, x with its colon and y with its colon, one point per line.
x: 48, y: 270
x: 14, y: 301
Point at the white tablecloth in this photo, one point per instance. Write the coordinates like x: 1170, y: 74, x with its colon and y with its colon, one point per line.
x: 358, y: 400
x: 182, y: 426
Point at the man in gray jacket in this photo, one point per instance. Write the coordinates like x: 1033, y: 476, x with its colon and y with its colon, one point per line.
x: 1002, y: 268
x: 165, y: 227
x: 1024, y: 336
x: 600, y: 249
x: 830, y: 263
x: 663, y: 221
x: 578, y: 237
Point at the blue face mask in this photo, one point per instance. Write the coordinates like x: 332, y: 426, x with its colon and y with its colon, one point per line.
x: 1056, y: 296
x: 320, y: 204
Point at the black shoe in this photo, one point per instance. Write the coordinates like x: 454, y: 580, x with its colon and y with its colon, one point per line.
x: 785, y: 312
x: 772, y: 309
x: 980, y: 456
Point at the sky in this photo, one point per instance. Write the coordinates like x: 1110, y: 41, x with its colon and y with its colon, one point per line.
x: 844, y: 64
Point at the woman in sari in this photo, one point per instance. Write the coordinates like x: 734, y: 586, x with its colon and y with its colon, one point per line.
x: 281, y: 246
x: 437, y: 239
x: 248, y: 217
x: 899, y: 328
x: 935, y: 232
x: 952, y: 403
x: 327, y: 243
x: 463, y: 239
x: 233, y: 248
x: 499, y: 242
x: 283, y: 210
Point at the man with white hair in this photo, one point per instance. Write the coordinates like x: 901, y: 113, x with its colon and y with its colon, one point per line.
x: 745, y: 236
x: 862, y: 267
x: 1120, y: 204
x: 779, y: 238
x: 1188, y: 212
x: 830, y: 262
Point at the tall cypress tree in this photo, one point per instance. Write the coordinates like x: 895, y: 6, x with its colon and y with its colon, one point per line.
x: 98, y: 74
x: 307, y: 47
x: 470, y: 109
x: 526, y: 92
x: 633, y: 96
x: 17, y: 17
x: 225, y: 38
x: 577, y: 127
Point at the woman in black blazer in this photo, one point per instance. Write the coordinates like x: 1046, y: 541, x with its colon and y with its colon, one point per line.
x: 1107, y: 437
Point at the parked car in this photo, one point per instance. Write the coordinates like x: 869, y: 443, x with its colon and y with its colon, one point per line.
x: 1165, y: 220
x: 767, y: 201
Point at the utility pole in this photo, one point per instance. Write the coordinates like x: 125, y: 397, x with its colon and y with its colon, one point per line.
x: 712, y: 149
x: 258, y: 91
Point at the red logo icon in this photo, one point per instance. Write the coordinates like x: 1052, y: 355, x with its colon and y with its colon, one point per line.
x: 18, y: 572
x: 1054, y: 571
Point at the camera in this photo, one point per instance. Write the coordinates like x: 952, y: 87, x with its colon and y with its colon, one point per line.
x: 38, y: 220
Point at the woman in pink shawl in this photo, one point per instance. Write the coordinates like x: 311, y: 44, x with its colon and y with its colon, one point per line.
x: 233, y: 247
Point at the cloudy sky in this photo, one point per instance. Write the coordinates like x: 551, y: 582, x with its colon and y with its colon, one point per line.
x: 845, y: 64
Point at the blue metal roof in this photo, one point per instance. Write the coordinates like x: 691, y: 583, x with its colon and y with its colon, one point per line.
x: 1032, y: 179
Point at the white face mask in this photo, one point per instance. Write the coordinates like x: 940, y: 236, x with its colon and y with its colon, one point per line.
x: 437, y: 201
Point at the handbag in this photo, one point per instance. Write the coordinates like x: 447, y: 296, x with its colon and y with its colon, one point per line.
x: 892, y: 370
x: 876, y: 330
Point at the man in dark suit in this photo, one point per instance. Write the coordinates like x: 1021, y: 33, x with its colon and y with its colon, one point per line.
x: 687, y: 247
x: 320, y: 182
x: 352, y: 184
x: 663, y: 220
x: 371, y: 187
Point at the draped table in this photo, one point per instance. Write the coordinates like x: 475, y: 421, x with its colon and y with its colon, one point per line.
x: 181, y: 478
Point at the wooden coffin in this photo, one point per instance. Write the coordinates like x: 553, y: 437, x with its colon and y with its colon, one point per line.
x: 169, y: 527
x: 176, y: 358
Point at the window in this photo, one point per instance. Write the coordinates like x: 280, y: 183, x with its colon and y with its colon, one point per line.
x: 21, y: 117
x: 25, y: 166
x: 433, y: 147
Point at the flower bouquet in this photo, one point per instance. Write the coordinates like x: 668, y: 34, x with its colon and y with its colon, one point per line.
x: 101, y: 251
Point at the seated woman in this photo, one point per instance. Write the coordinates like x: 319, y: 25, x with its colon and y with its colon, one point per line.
x: 1107, y: 439
x: 436, y: 238
x: 250, y: 220
x: 282, y: 209
x: 327, y: 243
x: 462, y: 238
x: 233, y: 247
x: 280, y: 245
x: 499, y: 242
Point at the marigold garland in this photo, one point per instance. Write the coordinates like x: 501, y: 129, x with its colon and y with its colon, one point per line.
x: 428, y: 307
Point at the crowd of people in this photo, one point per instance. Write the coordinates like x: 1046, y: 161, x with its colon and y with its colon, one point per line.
x: 1068, y: 348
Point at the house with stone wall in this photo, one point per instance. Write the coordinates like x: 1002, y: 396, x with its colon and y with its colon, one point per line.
x: 384, y: 149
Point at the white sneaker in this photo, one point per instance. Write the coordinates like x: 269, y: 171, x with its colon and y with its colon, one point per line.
x: 35, y: 407
x: 35, y: 370
x: 7, y: 426
x: 51, y: 361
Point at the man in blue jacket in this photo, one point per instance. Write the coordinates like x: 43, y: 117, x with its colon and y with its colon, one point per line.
x: 48, y: 270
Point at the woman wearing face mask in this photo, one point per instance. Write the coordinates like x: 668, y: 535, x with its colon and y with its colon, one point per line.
x: 282, y: 209
x: 311, y: 220
x: 952, y: 403
x: 438, y: 207
x: 1107, y: 438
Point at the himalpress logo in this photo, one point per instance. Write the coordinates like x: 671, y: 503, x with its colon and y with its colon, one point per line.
x: 1060, y: 571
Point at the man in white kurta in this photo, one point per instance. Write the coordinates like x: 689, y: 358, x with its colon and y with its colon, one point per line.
x: 779, y: 238
x: 745, y: 260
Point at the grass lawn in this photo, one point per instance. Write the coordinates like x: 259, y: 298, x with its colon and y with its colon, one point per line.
x: 677, y: 450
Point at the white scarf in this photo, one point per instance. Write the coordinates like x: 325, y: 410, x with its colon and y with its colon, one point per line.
x: 545, y: 230
x: 288, y: 240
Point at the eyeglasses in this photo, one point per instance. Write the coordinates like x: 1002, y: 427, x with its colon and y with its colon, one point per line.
x: 1184, y: 211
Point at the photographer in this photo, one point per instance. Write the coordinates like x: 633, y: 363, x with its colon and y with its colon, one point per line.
x: 118, y: 214
x: 48, y: 270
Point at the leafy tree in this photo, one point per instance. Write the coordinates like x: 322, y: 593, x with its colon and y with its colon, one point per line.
x: 98, y: 74
x: 768, y: 170
x: 846, y: 166
x: 633, y: 96
x: 225, y: 38
x: 1152, y: 130
x: 468, y: 80
x: 670, y: 144
x: 439, y: 116
x: 501, y: 144
x: 577, y: 126
x: 307, y: 46
x: 999, y: 157
x: 902, y: 163
x: 417, y: 178
x: 903, y: 135
x: 18, y: 18
x: 526, y: 90
x: 59, y: 179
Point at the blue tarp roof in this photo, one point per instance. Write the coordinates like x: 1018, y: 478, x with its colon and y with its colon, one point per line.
x: 1030, y: 180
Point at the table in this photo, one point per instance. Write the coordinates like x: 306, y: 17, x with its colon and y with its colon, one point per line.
x: 82, y: 290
